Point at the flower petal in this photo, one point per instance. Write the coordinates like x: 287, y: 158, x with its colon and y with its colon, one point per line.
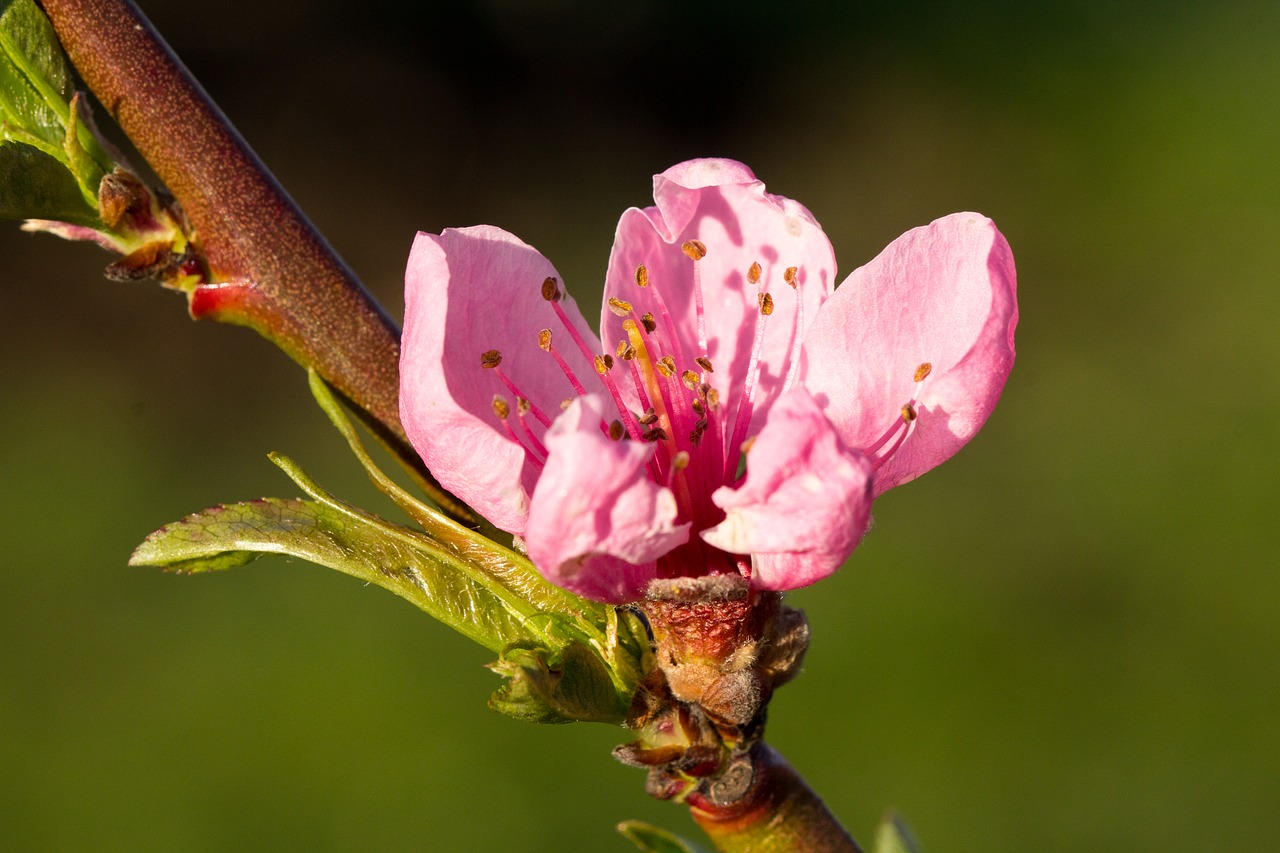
x: 944, y: 294
x: 804, y: 504
x: 720, y: 204
x: 468, y: 291
x: 597, y: 524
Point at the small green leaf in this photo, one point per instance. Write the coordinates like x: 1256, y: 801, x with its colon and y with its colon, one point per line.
x: 651, y: 839
x: 894, y: 836
x: 37, y: 101
x: 34, y: 185
x: 542, y: 687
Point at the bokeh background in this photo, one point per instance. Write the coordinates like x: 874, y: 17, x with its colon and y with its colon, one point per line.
x: 1065, y: 639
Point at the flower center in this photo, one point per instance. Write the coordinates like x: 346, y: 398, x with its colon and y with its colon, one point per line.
x: 670, y: 399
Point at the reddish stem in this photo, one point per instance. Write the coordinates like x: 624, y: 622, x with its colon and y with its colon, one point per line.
x: 268, y: 266
x: 779, y: 813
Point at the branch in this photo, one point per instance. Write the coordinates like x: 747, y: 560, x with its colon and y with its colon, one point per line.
x: 268, y: 267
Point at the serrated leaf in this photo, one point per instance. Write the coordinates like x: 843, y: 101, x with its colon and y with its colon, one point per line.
x: 34, y: 185
x: 652, y: 839
x: 376, y: 551
x: 894, y: 836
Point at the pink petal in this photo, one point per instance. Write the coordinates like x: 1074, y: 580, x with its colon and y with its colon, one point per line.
x: 597, y: 524
x: 943, y: 294
x: 804, y: 504
x: 722, y: 205
x: 468, y: 291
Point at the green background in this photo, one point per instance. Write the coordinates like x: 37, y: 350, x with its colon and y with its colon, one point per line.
x: 1065, y: 639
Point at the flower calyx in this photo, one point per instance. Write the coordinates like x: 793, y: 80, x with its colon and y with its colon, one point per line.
x: 720, y: 649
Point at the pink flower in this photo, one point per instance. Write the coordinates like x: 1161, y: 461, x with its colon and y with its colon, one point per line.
x: 617, y: 463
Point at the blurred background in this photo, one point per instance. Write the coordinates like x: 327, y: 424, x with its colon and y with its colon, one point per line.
x: 1065, y: 639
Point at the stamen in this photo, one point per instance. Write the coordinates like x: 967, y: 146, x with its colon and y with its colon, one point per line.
x: 747, y: 402
x: 544, y: 342
x: 515, y: 390
x: 797, y: 329
x: 551, y: 290
x: 695, y: 249
x: 523, y: 407
x: 503, y: 410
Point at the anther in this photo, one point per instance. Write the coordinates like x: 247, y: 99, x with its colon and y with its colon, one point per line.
x: 616, y: 430
x: 922, y: 371
x: 697, y: 406
x: 704, y: 363
x: 695, y: 249
x: 699, y: 427
x: 544, y: 340
x: 713, y: 398
x: 565, y: 403
x: 680, y: 461
x: 654, y: 434
x: 619, y: 308
x: 690, y: 380
x: 626, y: 352
x: 649, y: 418
x: 908, y: 413
x: 642, y: 276
x: 551, y: 289
x: 753, y: 274
x: 790, y: 276
x: 666, y: 366
x: 748, y: 443
x: 766, y: 303
x: 490, y: 359
x: 522, y: 406
x: 500, y: 407
x: 648, y: 322
x: 603, y: 363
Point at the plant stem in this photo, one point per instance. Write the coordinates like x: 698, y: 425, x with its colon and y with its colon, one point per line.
x: 268, y: 267
x: 779, y: 813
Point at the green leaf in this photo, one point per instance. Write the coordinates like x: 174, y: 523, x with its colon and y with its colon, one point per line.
x: 894, y: 836
x: 37, y: 101
x: 651, y: 839
x: 363, y: 546
x: 35, y: 185
x: 517, y: 574
x: 543, y: 687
